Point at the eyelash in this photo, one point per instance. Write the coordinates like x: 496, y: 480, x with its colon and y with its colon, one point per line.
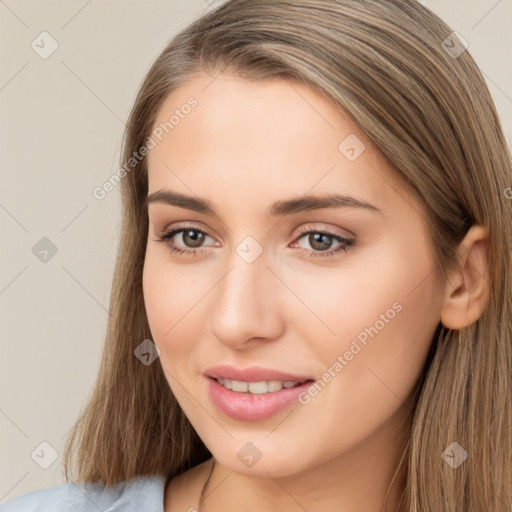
x: 347, y: 243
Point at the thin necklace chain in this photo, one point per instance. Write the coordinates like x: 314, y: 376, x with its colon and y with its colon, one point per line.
x: 203, y: 490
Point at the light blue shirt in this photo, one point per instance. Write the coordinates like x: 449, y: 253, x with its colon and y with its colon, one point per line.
x: 142, y: 494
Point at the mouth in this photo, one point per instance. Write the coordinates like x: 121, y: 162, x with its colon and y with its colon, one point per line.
x: 259, y: 387
x: 254, y: 394
x: 253, y: 375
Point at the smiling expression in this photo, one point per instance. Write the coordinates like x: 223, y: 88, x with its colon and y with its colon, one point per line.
x: 271, y: 246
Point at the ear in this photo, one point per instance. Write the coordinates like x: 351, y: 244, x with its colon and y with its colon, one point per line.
x: 467, y: 290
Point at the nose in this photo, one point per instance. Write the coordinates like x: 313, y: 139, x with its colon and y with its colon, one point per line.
x: 247, y: 304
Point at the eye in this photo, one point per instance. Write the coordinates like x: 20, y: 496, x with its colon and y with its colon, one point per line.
x: 191, y: 237
x: 321, y: 242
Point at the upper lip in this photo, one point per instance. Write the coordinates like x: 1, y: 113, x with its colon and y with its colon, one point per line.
x: 252, y: 374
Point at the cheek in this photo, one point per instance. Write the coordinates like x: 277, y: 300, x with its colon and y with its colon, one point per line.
x: 378, y: 310
x: 172, y: 299
x: 173, y: 304
x: 383, y: 313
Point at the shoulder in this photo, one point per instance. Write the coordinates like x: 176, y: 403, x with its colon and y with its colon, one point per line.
x: 142, y: 493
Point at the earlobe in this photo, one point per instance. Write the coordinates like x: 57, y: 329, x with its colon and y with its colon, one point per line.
x: 467, y: 292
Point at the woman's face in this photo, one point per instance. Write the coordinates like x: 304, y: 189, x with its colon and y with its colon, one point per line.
x: 340, y: 293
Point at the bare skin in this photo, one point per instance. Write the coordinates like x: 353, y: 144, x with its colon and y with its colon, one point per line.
x: 181, y: 490
x: 245, y: 146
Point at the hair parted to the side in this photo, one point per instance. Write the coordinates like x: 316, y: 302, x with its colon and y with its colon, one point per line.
x: 432, y: 116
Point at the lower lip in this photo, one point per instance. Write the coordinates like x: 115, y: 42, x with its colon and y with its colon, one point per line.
x: 249, y: 407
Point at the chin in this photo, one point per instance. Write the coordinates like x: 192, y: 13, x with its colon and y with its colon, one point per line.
x: 270, y: 463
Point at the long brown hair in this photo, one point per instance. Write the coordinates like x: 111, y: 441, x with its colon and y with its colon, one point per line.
x: 430, y: 113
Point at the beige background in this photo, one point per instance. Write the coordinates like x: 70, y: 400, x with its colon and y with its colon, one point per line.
x: 61, y: 125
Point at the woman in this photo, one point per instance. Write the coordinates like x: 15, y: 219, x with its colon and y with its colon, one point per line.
x: 311, y: 307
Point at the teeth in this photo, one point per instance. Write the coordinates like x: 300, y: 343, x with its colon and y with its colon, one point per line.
x: 257, y: 388
x: 237, y: 385
x: 289, y: 384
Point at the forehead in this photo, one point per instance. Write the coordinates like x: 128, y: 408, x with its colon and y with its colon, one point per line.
x: 276, y: 136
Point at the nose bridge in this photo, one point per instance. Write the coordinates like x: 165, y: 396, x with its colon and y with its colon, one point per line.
x: 245, y: 301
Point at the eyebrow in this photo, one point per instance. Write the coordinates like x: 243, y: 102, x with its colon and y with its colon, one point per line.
x: 278, y: 209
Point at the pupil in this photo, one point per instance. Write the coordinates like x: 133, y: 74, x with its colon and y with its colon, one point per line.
x: 316, y: 239
x: 196, y: 239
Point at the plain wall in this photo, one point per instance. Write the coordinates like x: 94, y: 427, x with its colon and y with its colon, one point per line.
x: 62, y: 119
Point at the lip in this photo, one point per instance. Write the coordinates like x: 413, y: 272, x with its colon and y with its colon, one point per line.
x: 249, y: 407
x: 252, y: 374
